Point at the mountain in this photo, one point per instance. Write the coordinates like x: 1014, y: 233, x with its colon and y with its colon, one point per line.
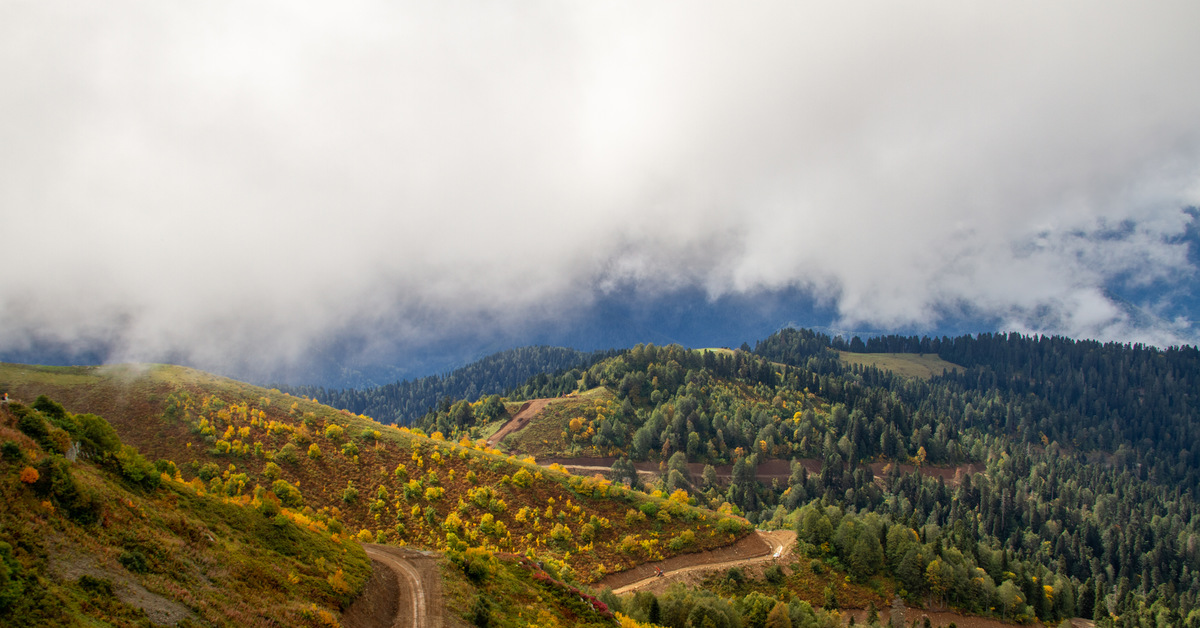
x: 403, y: 402
x: 354, y: 476
x: 1022, y: 477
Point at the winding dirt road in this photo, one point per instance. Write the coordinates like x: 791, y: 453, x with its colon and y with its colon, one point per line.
x: 756, y: 549
x: 520, y: 420
x: 405, y: 591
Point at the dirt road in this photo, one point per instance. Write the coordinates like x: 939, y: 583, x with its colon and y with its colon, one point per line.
x: 760, y: 548
x: 520, y: 420
x: 405, y: 591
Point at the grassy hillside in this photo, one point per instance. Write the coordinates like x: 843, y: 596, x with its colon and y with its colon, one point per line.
x: 110, y: 539
x: 921, y: 365
x: 381, y: 483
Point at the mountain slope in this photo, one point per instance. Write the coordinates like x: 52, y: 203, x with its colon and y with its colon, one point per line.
x: 106, y: 540
x: 403, y: 402
x: 382, y: 483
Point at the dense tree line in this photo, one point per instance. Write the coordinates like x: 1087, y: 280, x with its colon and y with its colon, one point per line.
x: 1085, y: 505
x: 404, y: 402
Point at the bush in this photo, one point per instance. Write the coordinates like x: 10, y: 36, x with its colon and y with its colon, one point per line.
x: 774, y: 574
x: 96, y: 586
x: 561, y: 535
x: 288, y: 495
x: 684, y: 539
x: 272, y: 471
x: 481, y: 612
x: 82, y: 504
x: 10, y: 450
x: 32, y: 425
x: 134, y: 561
x: 97, y: 436
x: 287, y: 454
x: 136, y: 469
x: 522, y: 478
x: 208, y: 471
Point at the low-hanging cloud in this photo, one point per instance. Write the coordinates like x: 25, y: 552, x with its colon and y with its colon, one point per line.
x: 240, y: 180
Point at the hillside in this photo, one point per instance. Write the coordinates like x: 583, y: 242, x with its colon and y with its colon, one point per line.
x: 380, y: 483
x: 1040, y: 478
x: 96, y: 535
x: 403, y: 402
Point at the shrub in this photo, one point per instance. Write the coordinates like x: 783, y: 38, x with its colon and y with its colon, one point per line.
x: 684, y: 539
x: 269, y: 507
x: 334, y: 432
x: 96, y: 586
x: 314, y: 452
x: 82, y: 504
x: 29, y: 475
x: 288, y: 495
x: 134, y: 561
x: 136, y: 469
x: 774, y: 574
x: 522, y: 478
x: 287, y: 454
x: 349, y: 494
x: 96, y: 435
x: 272, y: 471
x: 12, y: 451
x: 32, y: 425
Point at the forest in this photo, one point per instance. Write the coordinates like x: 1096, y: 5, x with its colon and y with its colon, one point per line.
x: 1071, y: 468
x: 403, y: 402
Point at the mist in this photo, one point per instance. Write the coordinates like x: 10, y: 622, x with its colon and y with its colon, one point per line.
x: 240, y: 184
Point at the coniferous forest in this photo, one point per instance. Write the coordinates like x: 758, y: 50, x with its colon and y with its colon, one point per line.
x: 403, y: 402
x: 1047, y: 478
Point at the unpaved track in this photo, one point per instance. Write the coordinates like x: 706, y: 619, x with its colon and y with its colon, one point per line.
x: 414, y: 589
x: 760, y: 547
x: 527, y: 412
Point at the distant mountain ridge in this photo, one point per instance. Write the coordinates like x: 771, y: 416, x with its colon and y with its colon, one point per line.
x: 405, y: 401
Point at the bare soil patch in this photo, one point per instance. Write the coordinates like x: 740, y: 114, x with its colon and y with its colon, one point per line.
x: 760, y: 546
x: 526, y: 413
x: 945, y: 618
x: 413, y: 596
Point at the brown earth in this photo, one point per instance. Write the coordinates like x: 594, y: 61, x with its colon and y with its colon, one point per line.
x: 527, y: 411
x: 757, y: 550
x: 945, y: 618
x: 766, y: 472
x: 758, y: 545
x: 405, y: 590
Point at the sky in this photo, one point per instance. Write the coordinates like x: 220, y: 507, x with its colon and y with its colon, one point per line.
x: 244, y: 185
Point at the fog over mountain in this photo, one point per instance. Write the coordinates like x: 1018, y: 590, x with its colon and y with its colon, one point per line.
x: 244, y: 185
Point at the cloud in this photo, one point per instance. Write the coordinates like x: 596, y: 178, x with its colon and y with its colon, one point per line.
x: 245, y: 180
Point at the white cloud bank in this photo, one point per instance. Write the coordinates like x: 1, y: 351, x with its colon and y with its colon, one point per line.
x: 245, y: 178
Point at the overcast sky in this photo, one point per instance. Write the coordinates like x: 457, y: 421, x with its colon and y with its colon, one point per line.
x: 238, y: 180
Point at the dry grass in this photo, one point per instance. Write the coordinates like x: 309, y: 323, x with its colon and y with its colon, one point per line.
x: 919, y: 365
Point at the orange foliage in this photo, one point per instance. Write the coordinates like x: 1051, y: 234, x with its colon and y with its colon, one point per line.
x: 29, y: 475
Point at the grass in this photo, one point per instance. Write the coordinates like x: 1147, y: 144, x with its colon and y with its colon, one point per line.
x: 919, y: 365
x: 550, y: 433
